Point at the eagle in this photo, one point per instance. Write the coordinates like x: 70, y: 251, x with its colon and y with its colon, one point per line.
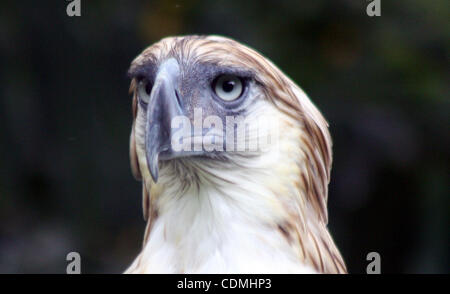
x: 234, y: 160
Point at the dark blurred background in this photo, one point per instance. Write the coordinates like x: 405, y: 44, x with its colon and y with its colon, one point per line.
x: 65, y: 118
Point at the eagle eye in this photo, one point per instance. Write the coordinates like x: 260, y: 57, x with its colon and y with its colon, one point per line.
x: 228, y: 87
x: 144, y: 90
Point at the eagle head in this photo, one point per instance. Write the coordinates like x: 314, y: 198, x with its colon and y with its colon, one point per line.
x: 235, y: 162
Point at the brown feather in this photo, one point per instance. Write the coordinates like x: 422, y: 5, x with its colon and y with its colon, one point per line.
x: 307, y: 231
x: 133, y: 156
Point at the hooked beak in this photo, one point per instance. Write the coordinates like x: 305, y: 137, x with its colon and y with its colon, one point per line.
x: 163, y: 106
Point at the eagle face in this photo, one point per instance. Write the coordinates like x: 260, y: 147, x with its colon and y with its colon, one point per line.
x: 234, y: 159
x: 197, y: 105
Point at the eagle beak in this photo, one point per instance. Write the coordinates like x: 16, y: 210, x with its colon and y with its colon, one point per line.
x: 163, y: 106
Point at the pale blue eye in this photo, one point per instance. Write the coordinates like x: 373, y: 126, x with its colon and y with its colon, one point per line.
x: 228, y: 87
x: 144, y: 91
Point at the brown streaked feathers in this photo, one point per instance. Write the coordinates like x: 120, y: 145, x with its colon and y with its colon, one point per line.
x: 306, y: 229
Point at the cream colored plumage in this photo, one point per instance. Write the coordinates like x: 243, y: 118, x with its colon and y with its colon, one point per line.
x: 264, y: 212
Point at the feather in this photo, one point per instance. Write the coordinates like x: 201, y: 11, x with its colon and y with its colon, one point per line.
x: 133, y: 156
x: 238, y: 213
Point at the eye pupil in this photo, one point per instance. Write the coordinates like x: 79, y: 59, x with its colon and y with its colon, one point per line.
x: 228, y: 86
x: 144, y: 90
x: 148, y: 88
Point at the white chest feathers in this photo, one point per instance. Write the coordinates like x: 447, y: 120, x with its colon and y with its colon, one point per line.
x: 210, y: 232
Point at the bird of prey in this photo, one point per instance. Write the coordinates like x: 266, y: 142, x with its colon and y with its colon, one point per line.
x: 212, y: 205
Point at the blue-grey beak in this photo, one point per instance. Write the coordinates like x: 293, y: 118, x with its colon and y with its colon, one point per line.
x: 163, y: 106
